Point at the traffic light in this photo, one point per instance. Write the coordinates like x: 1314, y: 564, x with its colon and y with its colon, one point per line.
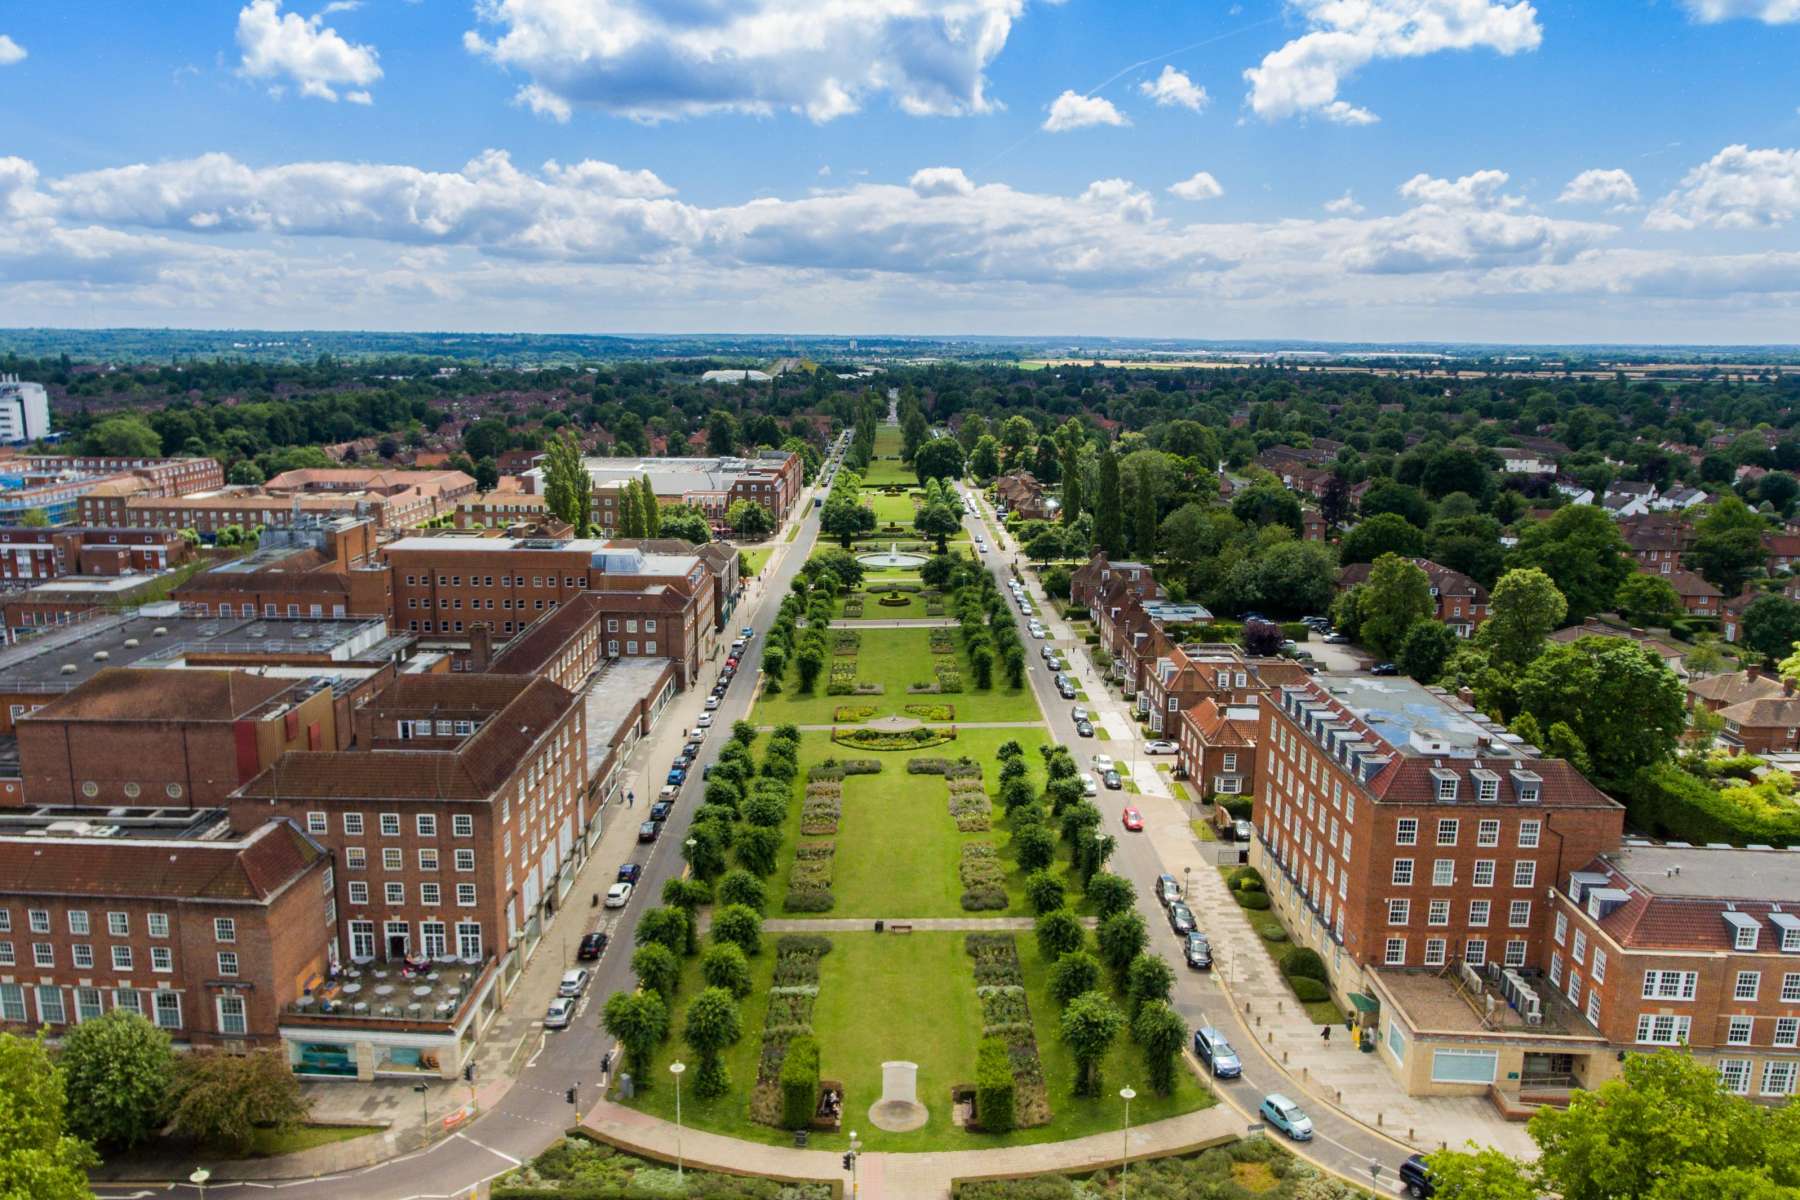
x: 469, y: 1073
x: 849, y: 1161
x: 570, y: 1094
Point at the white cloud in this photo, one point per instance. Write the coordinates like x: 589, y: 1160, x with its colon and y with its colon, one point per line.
x: 286, y: 46
x: 1201, y: 186
x: 543, y: 103
x: 1478, y: 190
x: 941, y: 181
x: 1343, y: 36
x: 661, y: 59
x: 1737, y: 188
x: 10, y: 51
x: 1174, y: 89
x: 1770, y: 12
x: 1609, y: 186
x: 338, y: 6
x: 1121, y: 196
x: 1072, y: 110
x: 1344, y: 204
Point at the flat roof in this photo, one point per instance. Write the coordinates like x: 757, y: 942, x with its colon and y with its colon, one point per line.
x: 1396, y: 708
x: 612, y: 698
x: 99, y: 587
x: 1711, y: 872
x: 623, y: 558
x: 123, y: 823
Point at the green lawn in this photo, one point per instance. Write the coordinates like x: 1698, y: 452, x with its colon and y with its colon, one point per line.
x: 754, y: 560
x: 895, y: 658
x: 897, y: 510
x: 886, y: 469
x: 874, y: 610
x: 266, y: 1142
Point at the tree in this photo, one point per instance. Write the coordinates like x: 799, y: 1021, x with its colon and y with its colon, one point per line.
x: 1122, y: 938
x: 220, y: 1099
x: 1646, y: 599
x: 743, y: 887
x: 939, y: 521
x: 750, y: 520
x: 1058, y: 933
x: 1090, y: 1023
x: 665, y: 925
x: 1384, y: 533
x: 123, y: 437
x: 721, y: 433
x: 984, y: 459
x: 1389, y: 496
x: 1160, y: 1033
x: 1074, y: 973
x: 244, y: 473
x: 1626, y: 707
x: 657, y: 969
x: 845, y: 520
x: 740, y: 925
x: 713, y: 1026
x: 39, y: 1158
x: 1728, y: 544
x: 1071, y: 439
x: 1425, y: 649
x: 940, y: 458
x: 1522, y: 610
x: 1470, y: 544
x: 568, y: 489
x: 724, y: 966
x: 1479, y: 1173
x: 1035, y: 848
x: 1396, y: 594
x: 629, y: 518
x: 1582, y: 552
x: 1143, y: 522
x: 1109, y: 528
x: 117, y: 1069
x: 1110, y: 893
x: 1772, y: 626
x: 1147, y: 979
x: 913, y: 432
x: 1043, y: 890
x: 756, y: 848
x: 1267, y: 503
x: 686, y: 522
x: 650, y: 507
x: 809, y: 660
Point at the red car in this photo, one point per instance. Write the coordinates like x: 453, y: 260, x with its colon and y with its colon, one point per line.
x: 1134, y: 820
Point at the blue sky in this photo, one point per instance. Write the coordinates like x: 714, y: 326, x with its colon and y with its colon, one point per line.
x: 1388, y: 169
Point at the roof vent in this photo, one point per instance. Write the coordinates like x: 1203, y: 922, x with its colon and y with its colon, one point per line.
x: 69, y: 668
x: 101, y: 655
x: 131, y: 643
x: 160, y: 631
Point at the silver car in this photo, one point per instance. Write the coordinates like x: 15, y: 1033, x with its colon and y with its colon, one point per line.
x: 560, y: 1013
x: 573, y: 983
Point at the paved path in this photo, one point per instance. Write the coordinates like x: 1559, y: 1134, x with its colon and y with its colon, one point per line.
x: 893, y: 623
x: 919, y: 924
x: 957, y: 724
x: 924, y: 1175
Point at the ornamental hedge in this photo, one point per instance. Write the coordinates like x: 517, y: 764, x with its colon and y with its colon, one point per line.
x: 800, y: 1082
x: 994, y: 1086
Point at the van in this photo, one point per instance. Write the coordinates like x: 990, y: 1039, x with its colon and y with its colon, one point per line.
x: 1211, y: 1048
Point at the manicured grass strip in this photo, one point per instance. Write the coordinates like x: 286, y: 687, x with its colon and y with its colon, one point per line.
x: 755, y: 559
x: 895, y: 658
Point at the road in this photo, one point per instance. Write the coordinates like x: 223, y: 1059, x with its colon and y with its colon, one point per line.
x: 1340, y: 1144
x: 535, y: 1111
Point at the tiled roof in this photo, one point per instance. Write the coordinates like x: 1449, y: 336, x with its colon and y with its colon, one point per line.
x: 1409, y: 780
x: 1446, y: 580
x: 1690, y: 919
x: 131, y: 693
x: 275, y: 855
x: 529, y: 652
x: 1735, y: 688
x: 1217, y: 729
x: 1686, y: 583
x: 1770, y: 712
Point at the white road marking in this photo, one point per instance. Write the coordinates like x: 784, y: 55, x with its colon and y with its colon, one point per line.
x: 496, y: 1153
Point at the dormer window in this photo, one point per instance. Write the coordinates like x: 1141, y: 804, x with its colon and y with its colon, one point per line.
x: 1446, y: 784
x: 1789, y: 925
x: 1745, y: 930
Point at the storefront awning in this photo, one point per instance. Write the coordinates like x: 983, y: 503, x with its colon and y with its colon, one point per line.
x: 1362, y: 1003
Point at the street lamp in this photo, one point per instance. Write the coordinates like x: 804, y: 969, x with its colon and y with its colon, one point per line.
x: 675, y: 1069
x: 855, y: 1149
x: 1127, y: 1095
x: 1187, y: 882
x: 199, y: 1178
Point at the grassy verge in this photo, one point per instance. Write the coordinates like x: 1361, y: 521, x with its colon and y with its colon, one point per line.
x: 266, y: 1142
x: 1203, y: 830
x: 793, y: 531
x: 754, y: 560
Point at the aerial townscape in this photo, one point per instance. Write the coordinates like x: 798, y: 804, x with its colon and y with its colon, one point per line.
x: 921, y: 612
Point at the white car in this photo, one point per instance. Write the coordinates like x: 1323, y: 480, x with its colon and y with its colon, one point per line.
x: 1104, y: 763
x: 1037, y: 631
x: 1160, y: 747
x: 573, y: 983
x: 1088, y: 785
x: 618, y: 895
x: 560, y: 1013
x: 704, y: 721
x: 712, y: 702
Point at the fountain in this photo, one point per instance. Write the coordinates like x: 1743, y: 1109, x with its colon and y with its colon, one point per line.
x: 893, y: 558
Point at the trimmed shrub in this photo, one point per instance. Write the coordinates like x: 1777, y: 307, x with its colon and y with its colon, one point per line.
x: 1305, y: 963
x: 799, y: 1082
x: 1308, y: 991
x: 993, y: 1086
x: 1255, y: 901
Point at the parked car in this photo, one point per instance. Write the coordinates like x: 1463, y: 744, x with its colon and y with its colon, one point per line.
x: 573, y: 982
x: 1167, y: 890
x: 1181, y: 918
x: 1242, y: 831
x: 593, y: 945
x: 1415, y: 1177
x: 704, y: 720
x: 1054, y: 662
x: 1286, y: 1116
x: 737, y: 647
x: 1132, y: 819
x: 659, y: 812
x: 560, y: 1013
x: 685, y: 759
x: 677, y: 776
x: 1088, y: 786
x: 1112, y: 781
x: 1103, y: 762
x: 692, y: 749
x: 1084, y: 729
x: 1160, y: 746
x: 1337, y: 639
x: 712, y: 702
x: 1211, y: 1048
x: 631, y: 872
x: 1384, y: 669
x: 619, y: 894
x: 649, y: 831
x: 1198, y: 951
x: 748, y: 633
x: 1037, y: 631
x: 1047, y: 652
x: 1065, y: 689
x: 1079, y: 713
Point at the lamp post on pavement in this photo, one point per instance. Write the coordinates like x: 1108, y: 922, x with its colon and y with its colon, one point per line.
x: 1127, y: 1095
x: 675, y: 1069
x: 199, y: 1178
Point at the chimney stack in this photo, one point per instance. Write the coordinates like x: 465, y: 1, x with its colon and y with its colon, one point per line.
x: 1753, y: 671
x: 481, y: 647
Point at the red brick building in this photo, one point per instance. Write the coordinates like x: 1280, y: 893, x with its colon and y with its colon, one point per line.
x: 1197, y: 671
x: 772, y: 478
x: 34, y: 554
x: 1462, y: 604
x: 1218, y: 746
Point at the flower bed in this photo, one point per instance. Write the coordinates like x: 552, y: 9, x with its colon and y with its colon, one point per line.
x: 852, y: 714
x: 932, y: 712
x: 983, y: 878
x: 888, y: 589
x: 845, y: 641
x: 809, y: 883
x: 949, y: 676
x: 894, y: 600
x: 820, y: 810
x: 877, y: 739
x: 934, y: 605
x: 836, y: 768
x: 791, y: 999
x: 1006, y: 1014
x: 942, y: 642
x: 969, y: 806
x: 842, y: 681
x: 853, y: 607
x: 580, y: 1166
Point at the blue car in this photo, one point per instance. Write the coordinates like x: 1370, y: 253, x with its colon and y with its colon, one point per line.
x: 1211, y: 1048
x: 1286, y: 1116
x: 677, y: 776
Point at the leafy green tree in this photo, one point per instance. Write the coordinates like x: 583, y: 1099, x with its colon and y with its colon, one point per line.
x: 629, y: 514
x: 219, y: 1099
x: 1147, y: 979
x: 1480, y: 1173
x: 1772, y: 627
x: 1384, y: 533
x: 1143, y: 522
x: 845, y: 520
x: 665, y: 925
x: 1522, y: 610
x: 913, y: 432
x: 568, y: 489
x: 756, y: 849
x: 1058, y: 933
x: 750, y: 520
x: 657, y: 969
x: 1627, y: 708
x: 1727, y: 545
x: 713, y: 1026
x: 740, y: 925
x: 939, y: 521
x: 650, y: 507
x: 721, y: 433
x: 117, y: 1069
x: 123, y: 437
x: 1071, y: 440
x: 39, y: 1158
x: 1110, y: 893
x: 1048, y: 544
x: 1090, y: 1024
x: 1160, y: 1033
x: 1266, y: 502
x: 1043, y: 890
x: 1582, y: 552
x: 1470, y: 544
x: 809, y: 661
x: 1122, y: 938
x: 1035, y: 848
x: 743, y: 887
x: 1648, y: 600
x: 940, y: 458
x: 1109, y: 518
x: 1395, y: 595
x: 724, y: 966
x: 984, y: 458
x: 1074, y: 973
x: 1389, y: 496
x: 1425, y: 649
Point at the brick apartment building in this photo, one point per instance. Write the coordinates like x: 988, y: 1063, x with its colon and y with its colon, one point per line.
x: 59, y: 485
x: 30, y: 555
x: 1195, y: 671
x: 1100, y: 581
x: 74, y: 599
x: 1217, y: 746
x: 772, y: 478
x: 389, y: 499
x: 1462, y: 604
x: 656, y: 605
x: 206, y: 930
x: 500, y: 510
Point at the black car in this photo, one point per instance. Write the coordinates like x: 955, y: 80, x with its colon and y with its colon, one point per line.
x: 631, y: 873
x: 1111, y: 780
x: 593, y: 945
x: 649, y: 831
x: 1198, y: 951
x: 684, y: 759
x: 1066, y: 691
x: 1181, y: 918
x: 659, y: 812
x: 1384, y: 669
x: 1083, y: 729
x: 1415, y: 1177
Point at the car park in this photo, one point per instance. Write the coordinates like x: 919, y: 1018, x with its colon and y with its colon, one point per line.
x: 619, y: 894
x: 593, y: 945
x: 1132, y: 819
x: 649, y: 831
x: 1167, y: 890
x: 1112, y: 781
x: 1211, y: 1048
x: 1160, y: 747
x: 1103, y: 762
x: 1181, y: 918
x: 1415, y: 1177
x: 1088, y: 786
x: 1084, y: 729
x: 573, y: 982
x: 560, y: 1013
x: 1286, y: 1116
x: 631, y: 872
x: 1198, y: 951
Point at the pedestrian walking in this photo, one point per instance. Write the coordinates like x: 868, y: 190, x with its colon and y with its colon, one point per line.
x: 1325, y: 1033
x: 606, y: 1064
x: 630, y: 798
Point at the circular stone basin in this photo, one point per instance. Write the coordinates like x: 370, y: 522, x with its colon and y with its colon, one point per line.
x: 891, y: 558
